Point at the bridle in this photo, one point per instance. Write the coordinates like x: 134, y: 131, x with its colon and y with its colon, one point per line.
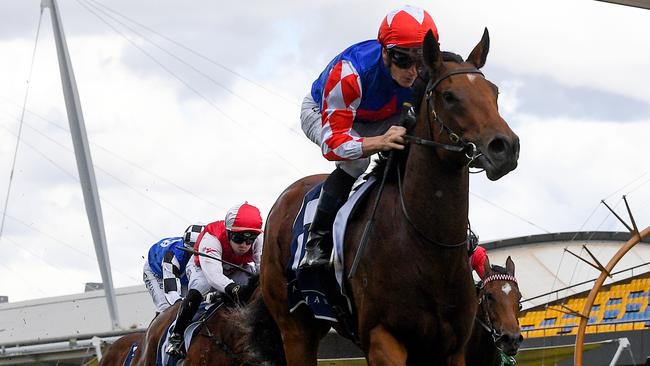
x: 485, y: 307
x: 459, y: 145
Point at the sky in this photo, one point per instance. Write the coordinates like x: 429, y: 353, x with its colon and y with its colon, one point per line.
x: 193, y: 108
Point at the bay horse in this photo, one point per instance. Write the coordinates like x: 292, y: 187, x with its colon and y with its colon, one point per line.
x: 413, y: 294
x: 496, y: 335
x: 116, y: 353
x: 223, y: 340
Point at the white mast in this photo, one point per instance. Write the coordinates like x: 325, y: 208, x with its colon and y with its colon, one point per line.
x: 84, y: 161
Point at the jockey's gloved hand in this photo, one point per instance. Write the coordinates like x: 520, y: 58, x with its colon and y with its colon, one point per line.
x: 246, y: 291
x: 232, y: 291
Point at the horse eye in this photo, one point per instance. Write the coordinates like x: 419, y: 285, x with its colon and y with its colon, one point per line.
x: 489, y: 296
x: 449, y: 97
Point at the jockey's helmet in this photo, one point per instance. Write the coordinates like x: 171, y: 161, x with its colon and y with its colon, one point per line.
x: 405, y: 27
x: 192, y: 233
x: 244, y: 217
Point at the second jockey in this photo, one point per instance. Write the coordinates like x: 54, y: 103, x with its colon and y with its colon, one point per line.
x: 236, y: 240
x: 352, y: 112
x: 164, y: 270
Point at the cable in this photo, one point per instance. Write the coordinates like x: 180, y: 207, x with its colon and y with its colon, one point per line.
x: 20, y: 128
x: 206, y: 58
x: 139, y: 167
x: 90, y: 257
x: 76, y: 179
x: 509, y: 212
x: 205, y: 75
x: 187, y: 85
x: 103, y: 171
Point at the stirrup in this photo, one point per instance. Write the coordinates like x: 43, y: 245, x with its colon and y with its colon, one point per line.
x: 175, y: 346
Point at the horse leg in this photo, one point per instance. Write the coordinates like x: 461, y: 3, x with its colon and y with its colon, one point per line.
x: 300, y: 348
x: 457, y: 359
x: 385, y: 349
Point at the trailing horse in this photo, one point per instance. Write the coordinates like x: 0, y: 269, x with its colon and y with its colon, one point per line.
x: 413, y: 295
x: 223, y: 339
x: 496, y: 336
x: 116, y: 353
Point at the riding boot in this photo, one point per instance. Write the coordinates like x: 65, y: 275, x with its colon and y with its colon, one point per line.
x: 334, y: 193
x: 186, y: 312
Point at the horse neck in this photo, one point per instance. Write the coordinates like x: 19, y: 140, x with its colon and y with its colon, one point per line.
x: 436, y: 195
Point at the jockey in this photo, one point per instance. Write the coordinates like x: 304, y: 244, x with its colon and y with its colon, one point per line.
x: 164, y: 269
x: 352, y: 112
x: 236, y: 240
x: 477, y: 254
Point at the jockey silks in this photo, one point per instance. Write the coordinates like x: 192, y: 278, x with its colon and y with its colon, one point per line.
x: 157, y: 254
x: 214, y: 242
x: 355, y: 86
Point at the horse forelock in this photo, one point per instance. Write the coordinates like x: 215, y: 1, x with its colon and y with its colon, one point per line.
x: 499, y: 269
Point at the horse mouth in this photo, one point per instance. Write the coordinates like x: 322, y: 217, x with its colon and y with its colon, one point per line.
x: 494, y: 171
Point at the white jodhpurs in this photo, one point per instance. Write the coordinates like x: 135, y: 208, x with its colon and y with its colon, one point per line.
x: 154, y: 285
x: 197, y: 278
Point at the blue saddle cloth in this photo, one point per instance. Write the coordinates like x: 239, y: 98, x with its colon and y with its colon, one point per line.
x: 310, y: 288
x: 202, y: 314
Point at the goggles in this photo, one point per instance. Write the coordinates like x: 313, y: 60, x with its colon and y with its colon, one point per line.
x: 404, y: 59
x: 240, y: 237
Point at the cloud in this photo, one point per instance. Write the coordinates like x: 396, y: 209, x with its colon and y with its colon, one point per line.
x: 566, y: 89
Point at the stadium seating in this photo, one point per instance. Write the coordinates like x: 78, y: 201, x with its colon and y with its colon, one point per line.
x: 617, y: 307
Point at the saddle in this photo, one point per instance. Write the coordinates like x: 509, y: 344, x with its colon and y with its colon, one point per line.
x: 205, y: 311
x: 323, y: 293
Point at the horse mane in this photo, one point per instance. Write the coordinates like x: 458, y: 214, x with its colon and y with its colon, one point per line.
x: 419, y: 87
x: 262, y: 333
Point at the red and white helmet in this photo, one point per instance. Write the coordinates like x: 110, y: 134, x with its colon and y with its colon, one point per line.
x: 244, y: 217
x: 406, y: 27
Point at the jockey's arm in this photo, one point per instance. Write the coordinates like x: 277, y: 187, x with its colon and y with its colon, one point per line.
x: 257, y: 252
x: 341, y: 98
x: 213, y: 269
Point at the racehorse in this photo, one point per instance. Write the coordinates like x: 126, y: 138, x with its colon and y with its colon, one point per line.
x: 117, y: 352
x: 496, y: 336
x: 413, y: 295
x: 223, y: 340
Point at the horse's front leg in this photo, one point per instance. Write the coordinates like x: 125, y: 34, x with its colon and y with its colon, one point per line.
x: 384, y: 349
x: 457, y: 359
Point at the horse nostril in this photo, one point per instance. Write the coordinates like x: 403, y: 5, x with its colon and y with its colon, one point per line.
x: 498, y: 146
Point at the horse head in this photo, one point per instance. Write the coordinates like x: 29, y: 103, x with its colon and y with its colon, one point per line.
x: 499, y: 305
x: 460, y: 107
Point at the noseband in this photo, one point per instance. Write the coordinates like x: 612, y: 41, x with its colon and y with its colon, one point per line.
x: 458, y: 143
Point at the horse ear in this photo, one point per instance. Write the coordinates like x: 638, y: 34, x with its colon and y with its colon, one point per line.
x: 431, y: 52
x: 510, y: 266
x: 480, y: 52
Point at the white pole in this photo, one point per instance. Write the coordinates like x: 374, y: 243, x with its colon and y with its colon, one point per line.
x: 84, y: 161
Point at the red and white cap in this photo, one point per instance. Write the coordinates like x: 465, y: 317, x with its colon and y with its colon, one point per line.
x: 244, y: 217
x: 406, y: 27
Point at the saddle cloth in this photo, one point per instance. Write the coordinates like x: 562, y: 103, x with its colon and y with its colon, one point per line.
x: 306, y: 288
x: 130, y: 355
x: 202, y: 314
